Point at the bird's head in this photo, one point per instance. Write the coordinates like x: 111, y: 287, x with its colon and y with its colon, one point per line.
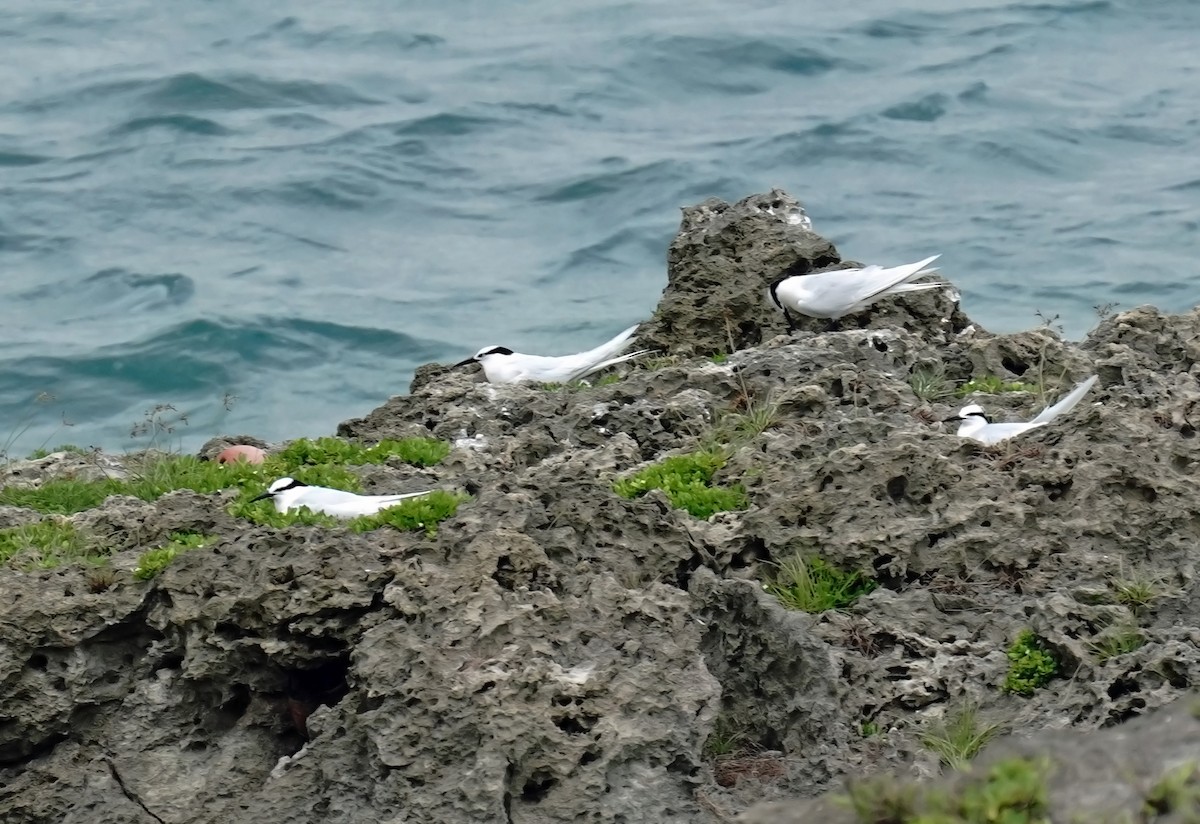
x: 971, y: 412
x: 281, y: 485
x: 488, y: 354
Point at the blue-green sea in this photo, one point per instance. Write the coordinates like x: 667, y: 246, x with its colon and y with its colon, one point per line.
x: 267, y: 215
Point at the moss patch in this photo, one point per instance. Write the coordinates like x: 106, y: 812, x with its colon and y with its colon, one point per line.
x: 156, y: 560
x: 423, y: 513
x: 687, y: 482
x: 1032, y: 665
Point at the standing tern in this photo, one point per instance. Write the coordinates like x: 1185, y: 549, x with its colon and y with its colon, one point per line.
x: 288, y: 494
x: 841, y: 292
x: 978, y: 427
x: 503, y: 365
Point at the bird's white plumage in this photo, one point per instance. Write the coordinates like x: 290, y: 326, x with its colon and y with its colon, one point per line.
x: 976, y: 427
x: 288, y: 494
x: 842, y: 292
x: 502, y: 365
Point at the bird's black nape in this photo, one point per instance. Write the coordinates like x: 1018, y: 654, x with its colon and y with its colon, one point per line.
x: 497, y: 350
x: 774, y: 294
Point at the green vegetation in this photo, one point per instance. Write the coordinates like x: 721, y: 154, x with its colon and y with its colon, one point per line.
x: 747, y: 424
x: 1032, y: 664
x: 812, y: 585
x: 46, y: 545
x: 1117, y: 640
x: 62, y: 497
x: 867, y: 729
x: 1138, y: 591
x: 725, y: 739
x: 1012, y: 792
x: 1176, y: 792
x: 687, y: 482
x: 719, y: 358
x: 153, y: 562
x: 930, y: 384
x: 994, y: 385
x: 423, y: 513
x: 959, y: 736
x: 153, y: 474
x: 415, y: 451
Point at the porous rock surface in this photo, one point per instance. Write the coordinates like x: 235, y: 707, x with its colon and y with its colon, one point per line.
x: 559, y: 653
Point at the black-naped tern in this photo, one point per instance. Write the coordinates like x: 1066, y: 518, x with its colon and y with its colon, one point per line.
x: 978, y: 427
x: 841, y: 292
x: 288, y: 494
x: 503, y: 365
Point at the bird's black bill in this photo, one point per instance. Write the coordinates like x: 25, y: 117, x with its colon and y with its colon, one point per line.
x: 260, y: 497
x: 463, y: 363
x: 951, y: 420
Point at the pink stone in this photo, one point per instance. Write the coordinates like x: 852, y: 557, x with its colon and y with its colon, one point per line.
x: 242, y: 452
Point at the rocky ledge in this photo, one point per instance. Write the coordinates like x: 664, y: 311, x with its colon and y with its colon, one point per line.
x: 559, y: 652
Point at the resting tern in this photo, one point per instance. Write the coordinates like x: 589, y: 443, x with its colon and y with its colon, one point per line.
x: 842, y: 292
x: 978, y: 427
x: 503, y: 365
x: 288, y: 494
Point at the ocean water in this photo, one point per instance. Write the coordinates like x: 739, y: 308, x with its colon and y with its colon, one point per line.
x: 267, y: 219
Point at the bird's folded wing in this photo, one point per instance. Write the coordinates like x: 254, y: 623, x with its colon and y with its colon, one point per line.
x: 1066, y: 404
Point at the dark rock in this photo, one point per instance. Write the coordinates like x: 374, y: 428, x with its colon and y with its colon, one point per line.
x: 557, y: 652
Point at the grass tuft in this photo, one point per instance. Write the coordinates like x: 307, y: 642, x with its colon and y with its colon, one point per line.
x: 415, y: 451
x: 155, y: 561
x: 812, y: 585
x: 959, y: 737
x: 687, y: 482
x: 1138, y: 591
x: 1013, y: 791
x: 930, y: 383
x: 1117, y: 640
x: 423, y: 513
x: 46, y: 545
x: 62, y: 497
x: 1176, y: 792
x: 1032, y: 665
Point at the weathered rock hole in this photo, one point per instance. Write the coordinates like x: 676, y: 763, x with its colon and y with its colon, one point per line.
x: 896, y: 487
x: 1123, y: 686
x: 1015, y: 366
x: 1058, y: 491
x: 934, y: 537
x: 576, y: 726
x: 38, y: 662
x: 880, y: 345
x: 588, y: 757
x: 196, y: 746
x: 985, y: 524
x: 837, y: 389
x: 537, y: 787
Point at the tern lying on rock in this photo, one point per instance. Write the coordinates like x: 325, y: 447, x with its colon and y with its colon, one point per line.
x: 841, y: 292
x: 503, y: 365
x: 976, y: 425
x: 288, y: 494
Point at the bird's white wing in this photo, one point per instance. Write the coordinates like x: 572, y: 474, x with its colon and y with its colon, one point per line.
x: 1066, y: 404
x: 875, y: 280
x: 996, y: 432
x: 611, y: 362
